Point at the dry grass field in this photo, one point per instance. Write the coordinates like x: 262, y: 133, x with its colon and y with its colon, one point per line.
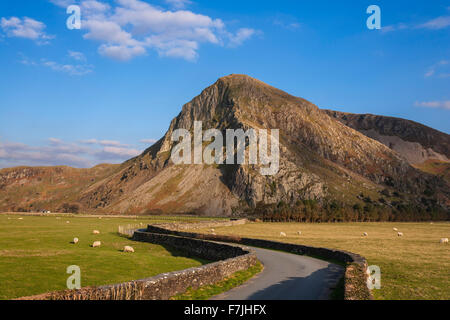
x: 415, y: 266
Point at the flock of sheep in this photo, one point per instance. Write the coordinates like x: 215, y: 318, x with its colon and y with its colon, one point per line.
x: 365, y: 234
x: 97, y: 244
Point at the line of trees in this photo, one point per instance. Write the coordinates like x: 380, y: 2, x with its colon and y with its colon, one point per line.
x: 316, y: 212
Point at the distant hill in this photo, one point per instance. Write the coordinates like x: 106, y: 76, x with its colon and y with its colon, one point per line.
x: 328, y: 171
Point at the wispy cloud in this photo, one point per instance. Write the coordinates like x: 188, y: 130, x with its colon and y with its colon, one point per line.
x: 436, y: 69
x: 178, y: 4
x: 111, y: 143
x: 60, y: 152
x: 132, y: 27
x: 434, y: 104
x: 25, y: 28
x: 436, y: 24
x: 148, y: 141
x: 79, y: 56
x: 78, y: 69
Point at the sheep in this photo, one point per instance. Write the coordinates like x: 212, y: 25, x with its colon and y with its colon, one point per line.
x: 96, y: 244
x: 282, y: 234
x: 365, y: 234
x: 443, y: 240
x: 400, y: 234
x: 395, y: 229
x: 75, y: 240
x: 67, y: 221
x: 128, y: 249
x: 95, y: 232
x: 20, y: 218
x: 212, y: 230
x: 299, y: 233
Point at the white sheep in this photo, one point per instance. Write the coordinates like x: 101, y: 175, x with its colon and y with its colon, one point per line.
x: 75, y: 240
x: 299, y: 233
x: 128, y: 249
x: 67, y: 221
x: 395, y: 229
x: 400, y: 234
x: 96, y: 244
x: 20, y: 218
x: 212, y: 230
x: 365, y: 234
x: 95, y: 232
x: 282, y: 234
x: 443, y: 240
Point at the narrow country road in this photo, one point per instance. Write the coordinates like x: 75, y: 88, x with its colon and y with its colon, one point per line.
x: 287, y: 276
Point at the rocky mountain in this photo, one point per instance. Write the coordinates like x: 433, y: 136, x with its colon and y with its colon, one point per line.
x: 322, y: 161
x: 414, y: 141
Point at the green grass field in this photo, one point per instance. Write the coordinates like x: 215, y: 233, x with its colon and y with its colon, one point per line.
x: 35, y: 252
x: 415, y: 266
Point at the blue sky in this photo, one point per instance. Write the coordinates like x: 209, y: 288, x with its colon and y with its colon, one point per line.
x: 105, y: 92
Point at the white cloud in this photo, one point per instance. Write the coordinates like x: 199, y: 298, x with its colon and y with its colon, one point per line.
x: 241, y: 36
x: 115, y: 152
x: 148, y: 141
x: 394, y: 27
x: 132, y: 27
x: 437, y: 23
x: 113, y: 143
x: 437, y: 67
x: 79, y: 69
x: 25, y: 28
x: 79, y: 56
x: 60, y: 152
x: 71, y: 69
x: 121, y: 52
x: 434, y: 104
x: 63, y: 3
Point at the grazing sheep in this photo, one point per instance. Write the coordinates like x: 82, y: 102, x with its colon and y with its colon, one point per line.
x: 128, y: 249
x: 96, y: 244
x: 67, y: 221
x: 20, y: 218
x: 299, y: 233
x: 96, y: 232
x: 365, y: 234
x: 443, y: 240
x: 282, y: 234
x: 400, y: 234
x: 395, y: 229
x: 75, y: 240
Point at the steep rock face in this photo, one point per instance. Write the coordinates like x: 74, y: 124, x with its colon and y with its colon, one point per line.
x: 415, y: 142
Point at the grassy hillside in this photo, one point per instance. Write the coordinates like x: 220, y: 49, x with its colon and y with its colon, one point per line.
x: 436, y: 167
x: 35, y: 252
x: 415, y: 266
